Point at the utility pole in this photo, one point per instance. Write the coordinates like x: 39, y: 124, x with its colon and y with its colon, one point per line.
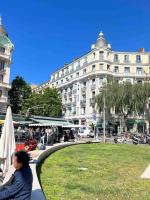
x: 104, y: 110
x: 104, y: 119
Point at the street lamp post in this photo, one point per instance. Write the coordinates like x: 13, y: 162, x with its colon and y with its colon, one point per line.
x: 104, y: 119
x: 104, y: 110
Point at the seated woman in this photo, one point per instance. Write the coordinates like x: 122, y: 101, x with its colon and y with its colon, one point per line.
x: 19, y: 187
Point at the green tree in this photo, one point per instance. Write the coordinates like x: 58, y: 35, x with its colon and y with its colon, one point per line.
x: 18, y: 93
x: 126, y: 99
x: 46, y: 104
x: 119, y: 97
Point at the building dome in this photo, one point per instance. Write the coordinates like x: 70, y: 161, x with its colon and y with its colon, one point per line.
x: 2, y: 28
x: 4, y: 40
x: 102, y: 42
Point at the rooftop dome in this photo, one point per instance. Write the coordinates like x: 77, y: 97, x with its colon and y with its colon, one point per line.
x: 4, y: 40
x: 101, y: 42
x: 2, y: 28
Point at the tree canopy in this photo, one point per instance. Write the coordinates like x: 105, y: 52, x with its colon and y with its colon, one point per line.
x: 18, y: 93
x: 126, y: 99
x: 46, y: 104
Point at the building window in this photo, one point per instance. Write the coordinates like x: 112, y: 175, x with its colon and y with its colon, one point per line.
x: 2, y: 49
x: 94, y: 55
x: 77, y: 74
x: 101, y: 55
x: 83, y: 111
x: 101, y: 67
x: 1, y: 79
x: 2, y: 64
x: 62, y: 74
x: 139, y: 70
x: 116, y: 58
x: 127, y: 70
x: 101, y: 80
x: 84, y: 71
x: 128, y: 80
x: 93, y: 81
x: 139, y: 81
x: 57, y: 75
x: 93, y: 68
x: 108, y: 67
x: 149, y: 58
x: 116, y: 69
x: 84, y: 84
x: 93, y: 94
x: 138, y: 58
x: 126, y: 58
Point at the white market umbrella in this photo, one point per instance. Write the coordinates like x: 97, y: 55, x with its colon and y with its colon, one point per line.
x: 7, y: 141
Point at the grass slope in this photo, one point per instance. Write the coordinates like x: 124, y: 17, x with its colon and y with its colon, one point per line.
x: 113, y: 173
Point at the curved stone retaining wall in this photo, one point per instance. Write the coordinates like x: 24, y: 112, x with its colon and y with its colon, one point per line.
x: 37, y: 193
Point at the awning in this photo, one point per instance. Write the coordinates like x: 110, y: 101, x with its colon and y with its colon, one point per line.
x: 74, y: 126
x: 2, y: 122
x: 49, y: 123
x: 24, y: 122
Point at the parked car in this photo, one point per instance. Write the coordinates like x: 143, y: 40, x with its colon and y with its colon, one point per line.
x: 85, y: 132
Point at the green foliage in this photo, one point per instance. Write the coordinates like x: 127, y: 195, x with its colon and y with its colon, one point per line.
x: 126, y: 98
x: 46, y: 104
x: 18, y: 93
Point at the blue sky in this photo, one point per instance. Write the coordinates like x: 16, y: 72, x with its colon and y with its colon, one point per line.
x: 49, y: 33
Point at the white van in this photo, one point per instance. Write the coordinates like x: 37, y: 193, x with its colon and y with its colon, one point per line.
x: 85, y: 132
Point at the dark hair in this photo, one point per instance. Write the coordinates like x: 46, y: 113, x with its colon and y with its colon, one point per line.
x: 23, y: 157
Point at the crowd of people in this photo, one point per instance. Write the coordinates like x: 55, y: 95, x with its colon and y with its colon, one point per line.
x: 47, y: 135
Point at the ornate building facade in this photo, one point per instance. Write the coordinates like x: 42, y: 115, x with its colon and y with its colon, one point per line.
x: 6, y: 48
x: 81, y: 80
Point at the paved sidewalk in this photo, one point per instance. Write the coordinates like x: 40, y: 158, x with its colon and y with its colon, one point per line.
x: 146, y: 173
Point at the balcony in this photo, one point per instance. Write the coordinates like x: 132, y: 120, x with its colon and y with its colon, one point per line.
x: 83, y: 102
x: 3, y: 99
x: 2, y: 71
x: 92, y: 101
x: 62, y: 75
x: 74, y: 103
x: 70, y: 93
x: 83, y: 89
x: 126, y: 61
x: 93, y: 87
x: 101, y: 57
x: 5, y: 55
x: 85, y: 63
x: 65, y: 96
x: 72, y: 70
x: 74, y: 91
x: 74, y: 113
x: 6, y: 85
x: 116, y: 60
x: 69, y: 105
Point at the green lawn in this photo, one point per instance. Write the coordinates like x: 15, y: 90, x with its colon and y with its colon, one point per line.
x: 113, y: 172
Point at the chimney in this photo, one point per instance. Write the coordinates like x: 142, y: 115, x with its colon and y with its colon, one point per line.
x: 141, y: 50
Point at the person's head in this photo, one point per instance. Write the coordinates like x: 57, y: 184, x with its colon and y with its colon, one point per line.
x: 21, y: 159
